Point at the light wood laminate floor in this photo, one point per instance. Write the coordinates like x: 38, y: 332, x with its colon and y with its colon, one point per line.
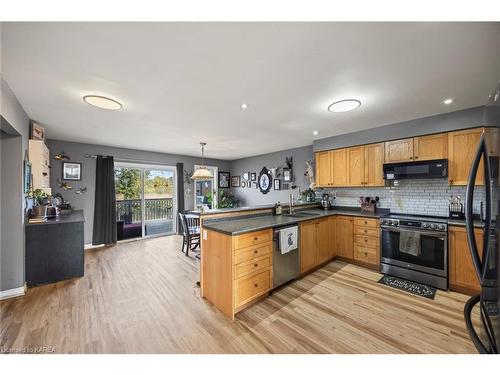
x: 141, y: 297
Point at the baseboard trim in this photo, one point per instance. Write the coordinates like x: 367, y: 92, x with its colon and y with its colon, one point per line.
x: 11, y: 293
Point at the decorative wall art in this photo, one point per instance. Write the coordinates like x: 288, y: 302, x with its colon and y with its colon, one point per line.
x: 224, y: 178
x: 287, y: 175
x: 253, y: 176
x: 277, y: 184
x: 72, y: 171
x: 37, y: 132
x: 235, y: 181
x: 265, y: 178
x: 254, y: 185
x: 246, y: 176
x: 27, y: 176
x: 243, y: 184
x: 309, y: 174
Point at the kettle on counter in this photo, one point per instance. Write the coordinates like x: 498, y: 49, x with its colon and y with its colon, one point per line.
x: 325, y: 201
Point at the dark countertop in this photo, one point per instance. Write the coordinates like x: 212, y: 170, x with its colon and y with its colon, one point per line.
x: 247, y: 208
x: 461, y: 223
x: 237, y: 226
x: 71, y: 217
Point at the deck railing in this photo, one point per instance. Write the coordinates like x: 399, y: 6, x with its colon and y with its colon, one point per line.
x: 129, y: 210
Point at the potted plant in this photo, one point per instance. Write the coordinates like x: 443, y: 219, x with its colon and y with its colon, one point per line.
x: 40, y: 201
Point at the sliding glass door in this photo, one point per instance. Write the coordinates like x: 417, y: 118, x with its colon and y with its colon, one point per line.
x: 145, y: 200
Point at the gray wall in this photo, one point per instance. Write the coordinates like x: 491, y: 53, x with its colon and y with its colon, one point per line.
x: 249, y: 196
x: 77, y: 152
x: 467, y: 118
x: 14, y: 144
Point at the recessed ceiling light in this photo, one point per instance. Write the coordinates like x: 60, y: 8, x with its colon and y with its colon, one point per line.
x: 244, y: 106
x: 102, y: 102
x: 448, y: 101
x: 344, y: 105
x: 315, y: 132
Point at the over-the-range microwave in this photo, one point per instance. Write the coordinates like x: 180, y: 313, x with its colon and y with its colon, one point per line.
x: 416, y: 170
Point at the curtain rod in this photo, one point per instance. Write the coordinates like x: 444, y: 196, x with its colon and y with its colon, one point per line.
x: 89, y: 156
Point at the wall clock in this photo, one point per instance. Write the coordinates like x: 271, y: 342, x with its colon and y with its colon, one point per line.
x: 265, y: 178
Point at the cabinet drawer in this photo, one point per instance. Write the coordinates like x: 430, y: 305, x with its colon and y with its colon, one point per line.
x: 252, y: 252
x: 249, y: 287
x: 253, y: 266
x: 253, y: 238
x: 366, y: 231
x: 366, y: 241
x: 365, y: 254
x: 365, y: 223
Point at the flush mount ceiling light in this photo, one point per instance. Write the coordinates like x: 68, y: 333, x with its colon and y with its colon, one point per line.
x: 447, y: 101
x: 102, y: 102
x: 202, y: 173
x: 344, y: 105
x: 244, y: 105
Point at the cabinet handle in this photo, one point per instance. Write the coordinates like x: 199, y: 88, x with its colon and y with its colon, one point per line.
x: 366, y: 222
x: 256, y: 238
x: 256, y: 285
x: 416, y: 157
x: 366, y: 254
x: 366, y: 240
x: 366, y: 231
x: 451, y: 181
x: 255, y: 265
x: 256, y: 251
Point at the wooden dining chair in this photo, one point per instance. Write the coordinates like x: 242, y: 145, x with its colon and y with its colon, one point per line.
x: 190, y: 232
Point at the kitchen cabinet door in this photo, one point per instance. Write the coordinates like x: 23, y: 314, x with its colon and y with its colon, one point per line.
x: 333, y: 244
x: 399, y: 151
x: 339, y: 167
x: 323, y: 240
x: 462, y: 147
x: 431, y: 147
x: 308, y: 248
x: 462, y: 273
x: 324, y: 169
x: 356, y: 164
x: 374, y: 160
x: 344, y: 237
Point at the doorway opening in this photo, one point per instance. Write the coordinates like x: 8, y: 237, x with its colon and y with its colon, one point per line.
x: 206, y: 192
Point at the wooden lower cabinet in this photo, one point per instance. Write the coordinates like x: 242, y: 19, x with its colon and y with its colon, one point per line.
x: 236, y: 270
x: 367, y: 241
x: 315, y: 243
x: 344, y: 243
x: 462, y: 275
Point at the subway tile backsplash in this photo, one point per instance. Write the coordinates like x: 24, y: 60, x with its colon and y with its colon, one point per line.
x: 423, y: 197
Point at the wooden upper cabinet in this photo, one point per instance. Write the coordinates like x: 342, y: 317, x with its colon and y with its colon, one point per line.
x: 324, y: 169
x: 399, y: 151
x: 374, y: 160
x: 430, y: 147
x: 462, y: 147
x: 356, y: 163
x: 462, y: 273
x: 307, y: 245
x: 339, y: 167
x: 344, y: 236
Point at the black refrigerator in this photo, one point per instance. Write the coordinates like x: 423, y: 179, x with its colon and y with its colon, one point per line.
x: 486, y: 334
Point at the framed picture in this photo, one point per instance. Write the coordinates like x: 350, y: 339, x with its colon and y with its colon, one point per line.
x: 243, y: 184
x: 254, y: 185
x: 37, y: 132
x: 277, y: 184
x: 265, y: 178
x: 246, y: 176
x: 285, y: 186
x: 27, y: 176
x: 235, y: 181
x: 253, y: 176
x: 287, y: 175
x: 72, y: 171
x: 224, y: 178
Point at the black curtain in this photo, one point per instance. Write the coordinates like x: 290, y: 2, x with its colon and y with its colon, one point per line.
x: 105, y: 202
x: 180, y: 194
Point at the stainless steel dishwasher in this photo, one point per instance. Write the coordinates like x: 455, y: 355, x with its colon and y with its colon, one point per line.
x: 286, y: 267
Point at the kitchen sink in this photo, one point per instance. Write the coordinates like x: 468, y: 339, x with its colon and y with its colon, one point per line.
x: 302, y: 214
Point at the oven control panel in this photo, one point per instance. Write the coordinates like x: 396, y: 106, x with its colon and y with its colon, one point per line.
x: 431, y: 226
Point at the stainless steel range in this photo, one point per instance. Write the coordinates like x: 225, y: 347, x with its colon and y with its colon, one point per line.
x: 415, y: 248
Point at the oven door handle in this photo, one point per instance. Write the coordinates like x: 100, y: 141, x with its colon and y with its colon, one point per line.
x: 421, y: 232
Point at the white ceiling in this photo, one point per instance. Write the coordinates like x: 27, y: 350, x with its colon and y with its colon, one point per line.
x: 181, y: 83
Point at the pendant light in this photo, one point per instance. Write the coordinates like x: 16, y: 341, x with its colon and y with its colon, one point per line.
x: 202, y: 173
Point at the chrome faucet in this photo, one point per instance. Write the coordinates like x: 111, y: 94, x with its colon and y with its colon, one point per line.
x: 290, y: 203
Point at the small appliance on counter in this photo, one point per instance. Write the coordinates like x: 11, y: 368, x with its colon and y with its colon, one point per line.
x: 456, y: 208
x: 278, y: 210
x: 326, y: 201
